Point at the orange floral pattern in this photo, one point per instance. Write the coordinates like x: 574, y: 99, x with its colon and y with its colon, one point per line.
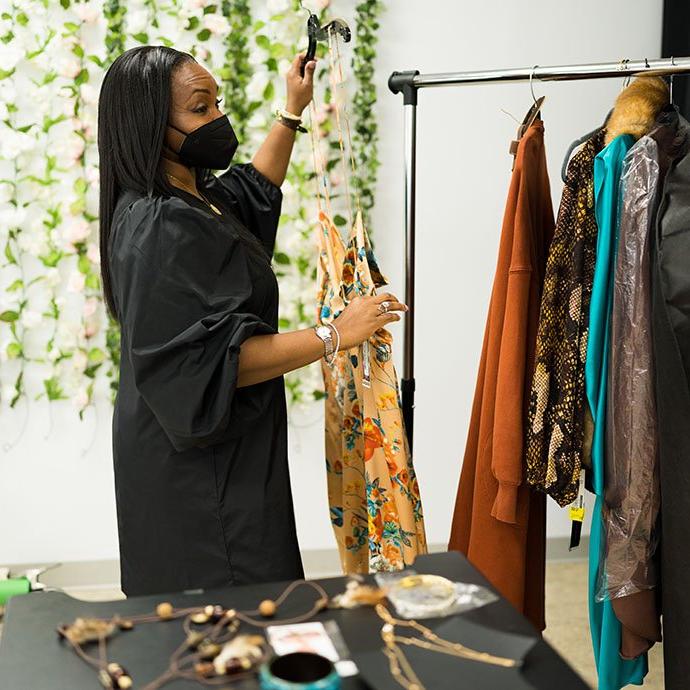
x: 373, y: 493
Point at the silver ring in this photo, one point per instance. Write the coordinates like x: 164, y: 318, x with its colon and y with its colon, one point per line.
x: 384, y: 306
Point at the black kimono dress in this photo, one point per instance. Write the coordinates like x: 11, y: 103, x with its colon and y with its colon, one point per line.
x: 201, y: 473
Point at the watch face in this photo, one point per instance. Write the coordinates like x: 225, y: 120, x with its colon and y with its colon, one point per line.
x: 324, y: 331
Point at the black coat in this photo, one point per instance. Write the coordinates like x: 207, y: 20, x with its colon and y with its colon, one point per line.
x: 201, y: 473
x: 671, y: 335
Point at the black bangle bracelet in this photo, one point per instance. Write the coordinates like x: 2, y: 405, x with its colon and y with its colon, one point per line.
x: 292, y: 124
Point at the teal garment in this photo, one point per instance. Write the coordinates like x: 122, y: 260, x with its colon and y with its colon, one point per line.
x: 614, y: 672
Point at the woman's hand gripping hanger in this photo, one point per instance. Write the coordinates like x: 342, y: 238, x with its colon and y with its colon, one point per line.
x: 316, y: 33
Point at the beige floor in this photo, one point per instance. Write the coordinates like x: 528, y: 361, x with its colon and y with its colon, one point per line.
x: 566, y: 616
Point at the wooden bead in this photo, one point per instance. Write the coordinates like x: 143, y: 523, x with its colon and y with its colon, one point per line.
x: 217, y: 612
x: 267, y: 608
x: 194, y: 639
x: 208, y: 650
x: 200, y: 618
x: 124, y: 624
x: 124, y: 682
x: 204, y: 669
x: 208, y: 610
x: 230, y: 614
x: 164, y: 610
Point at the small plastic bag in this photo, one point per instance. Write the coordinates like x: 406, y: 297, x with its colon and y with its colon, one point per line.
x: 431, y: 596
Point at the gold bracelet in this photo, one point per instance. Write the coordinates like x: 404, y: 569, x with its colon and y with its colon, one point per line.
x: 290, y: 116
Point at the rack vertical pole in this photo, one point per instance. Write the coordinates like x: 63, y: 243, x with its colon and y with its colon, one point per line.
x: 403, y: 81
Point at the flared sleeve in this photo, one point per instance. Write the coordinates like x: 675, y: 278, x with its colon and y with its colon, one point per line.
x: 188, y: 303
x: 255, y: 199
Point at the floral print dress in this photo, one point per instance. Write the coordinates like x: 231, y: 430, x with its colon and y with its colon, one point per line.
x: 373, y: 493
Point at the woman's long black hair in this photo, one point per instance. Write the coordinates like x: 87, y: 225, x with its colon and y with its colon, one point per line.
x: 133, y: 111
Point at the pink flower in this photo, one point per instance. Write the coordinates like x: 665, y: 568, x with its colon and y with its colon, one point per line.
x: 76, y: 231
x: 86, y: 12
x: 69, y: 67
x: 321, y: 114
x: 322, y: 4
x: 93, y: 253
x: 91, y: 328
x: 90, y: 306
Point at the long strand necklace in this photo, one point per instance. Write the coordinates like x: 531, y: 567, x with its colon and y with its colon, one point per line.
x: 191, y: 191
x: 400, y: 667
x: 212, y: 652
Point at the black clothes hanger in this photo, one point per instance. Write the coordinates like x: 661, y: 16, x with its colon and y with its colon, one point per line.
x: 316, y: 33
x: 577, y: 142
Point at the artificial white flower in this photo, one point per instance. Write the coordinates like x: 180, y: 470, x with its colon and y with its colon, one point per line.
x: 92, y: 174
x: 70, y: 148
x: 216, y: 24
x: 8, y: 92
x: 53, y: 353
x: 91, y: 327
x: 69, y: 67
x: 257, y: 85
x: 257, y: 120
x: 7, y: 391
x: 284, y: 67
x: 13, y: 143
x: 90, y: 306
x: 76, y: 230
x: 86, y: 12
x: 76, y: 282
x: 32, y: 243
x: 322, y: 4
x: 202, y: 53
x: 10, y: 55
x: 137, y: 21
x: 257, y: 55
x: 81, y: 398
x: 79, y: 360
x: 277, y: 6
x: 12, y: 216
x: 30, y: 318
x: 52, y: 277
x: 89, y: 93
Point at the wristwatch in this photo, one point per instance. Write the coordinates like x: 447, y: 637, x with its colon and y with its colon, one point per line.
x: 325, y: 333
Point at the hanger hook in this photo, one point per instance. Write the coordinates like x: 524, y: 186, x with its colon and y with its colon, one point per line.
x: 670, y: 87
x: 306, y: 9
x: 531, y: 85
x: 624, y: 67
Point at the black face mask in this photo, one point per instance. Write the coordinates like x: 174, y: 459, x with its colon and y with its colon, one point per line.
x: 210, y: 146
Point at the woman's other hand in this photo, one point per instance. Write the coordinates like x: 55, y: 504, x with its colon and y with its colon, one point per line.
x: 299, y: 90
x: 363, y: 317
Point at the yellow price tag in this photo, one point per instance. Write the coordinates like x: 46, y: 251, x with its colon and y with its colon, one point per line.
x: 577, y: 513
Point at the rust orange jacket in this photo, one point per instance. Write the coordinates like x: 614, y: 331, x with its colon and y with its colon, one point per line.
x: 499, y: 522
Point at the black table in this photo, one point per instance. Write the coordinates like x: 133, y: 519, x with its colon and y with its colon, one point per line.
x: 32, y: 657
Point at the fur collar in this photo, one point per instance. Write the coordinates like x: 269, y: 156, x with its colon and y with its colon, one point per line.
x: 636, y: 108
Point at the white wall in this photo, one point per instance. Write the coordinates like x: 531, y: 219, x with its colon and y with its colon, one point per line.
x: 58, y: 504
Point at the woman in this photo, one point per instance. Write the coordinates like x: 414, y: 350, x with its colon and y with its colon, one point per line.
x: 199, y: 425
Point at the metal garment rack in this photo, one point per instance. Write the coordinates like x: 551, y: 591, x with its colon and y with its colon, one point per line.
x: 409, y: 83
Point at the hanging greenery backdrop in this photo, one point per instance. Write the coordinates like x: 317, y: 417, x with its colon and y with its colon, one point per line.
x: 56, y: 340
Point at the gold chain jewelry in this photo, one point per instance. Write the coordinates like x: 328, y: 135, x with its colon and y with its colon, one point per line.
x: 400, y: 667
x: 201, y: 656
x: 191, y: 191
